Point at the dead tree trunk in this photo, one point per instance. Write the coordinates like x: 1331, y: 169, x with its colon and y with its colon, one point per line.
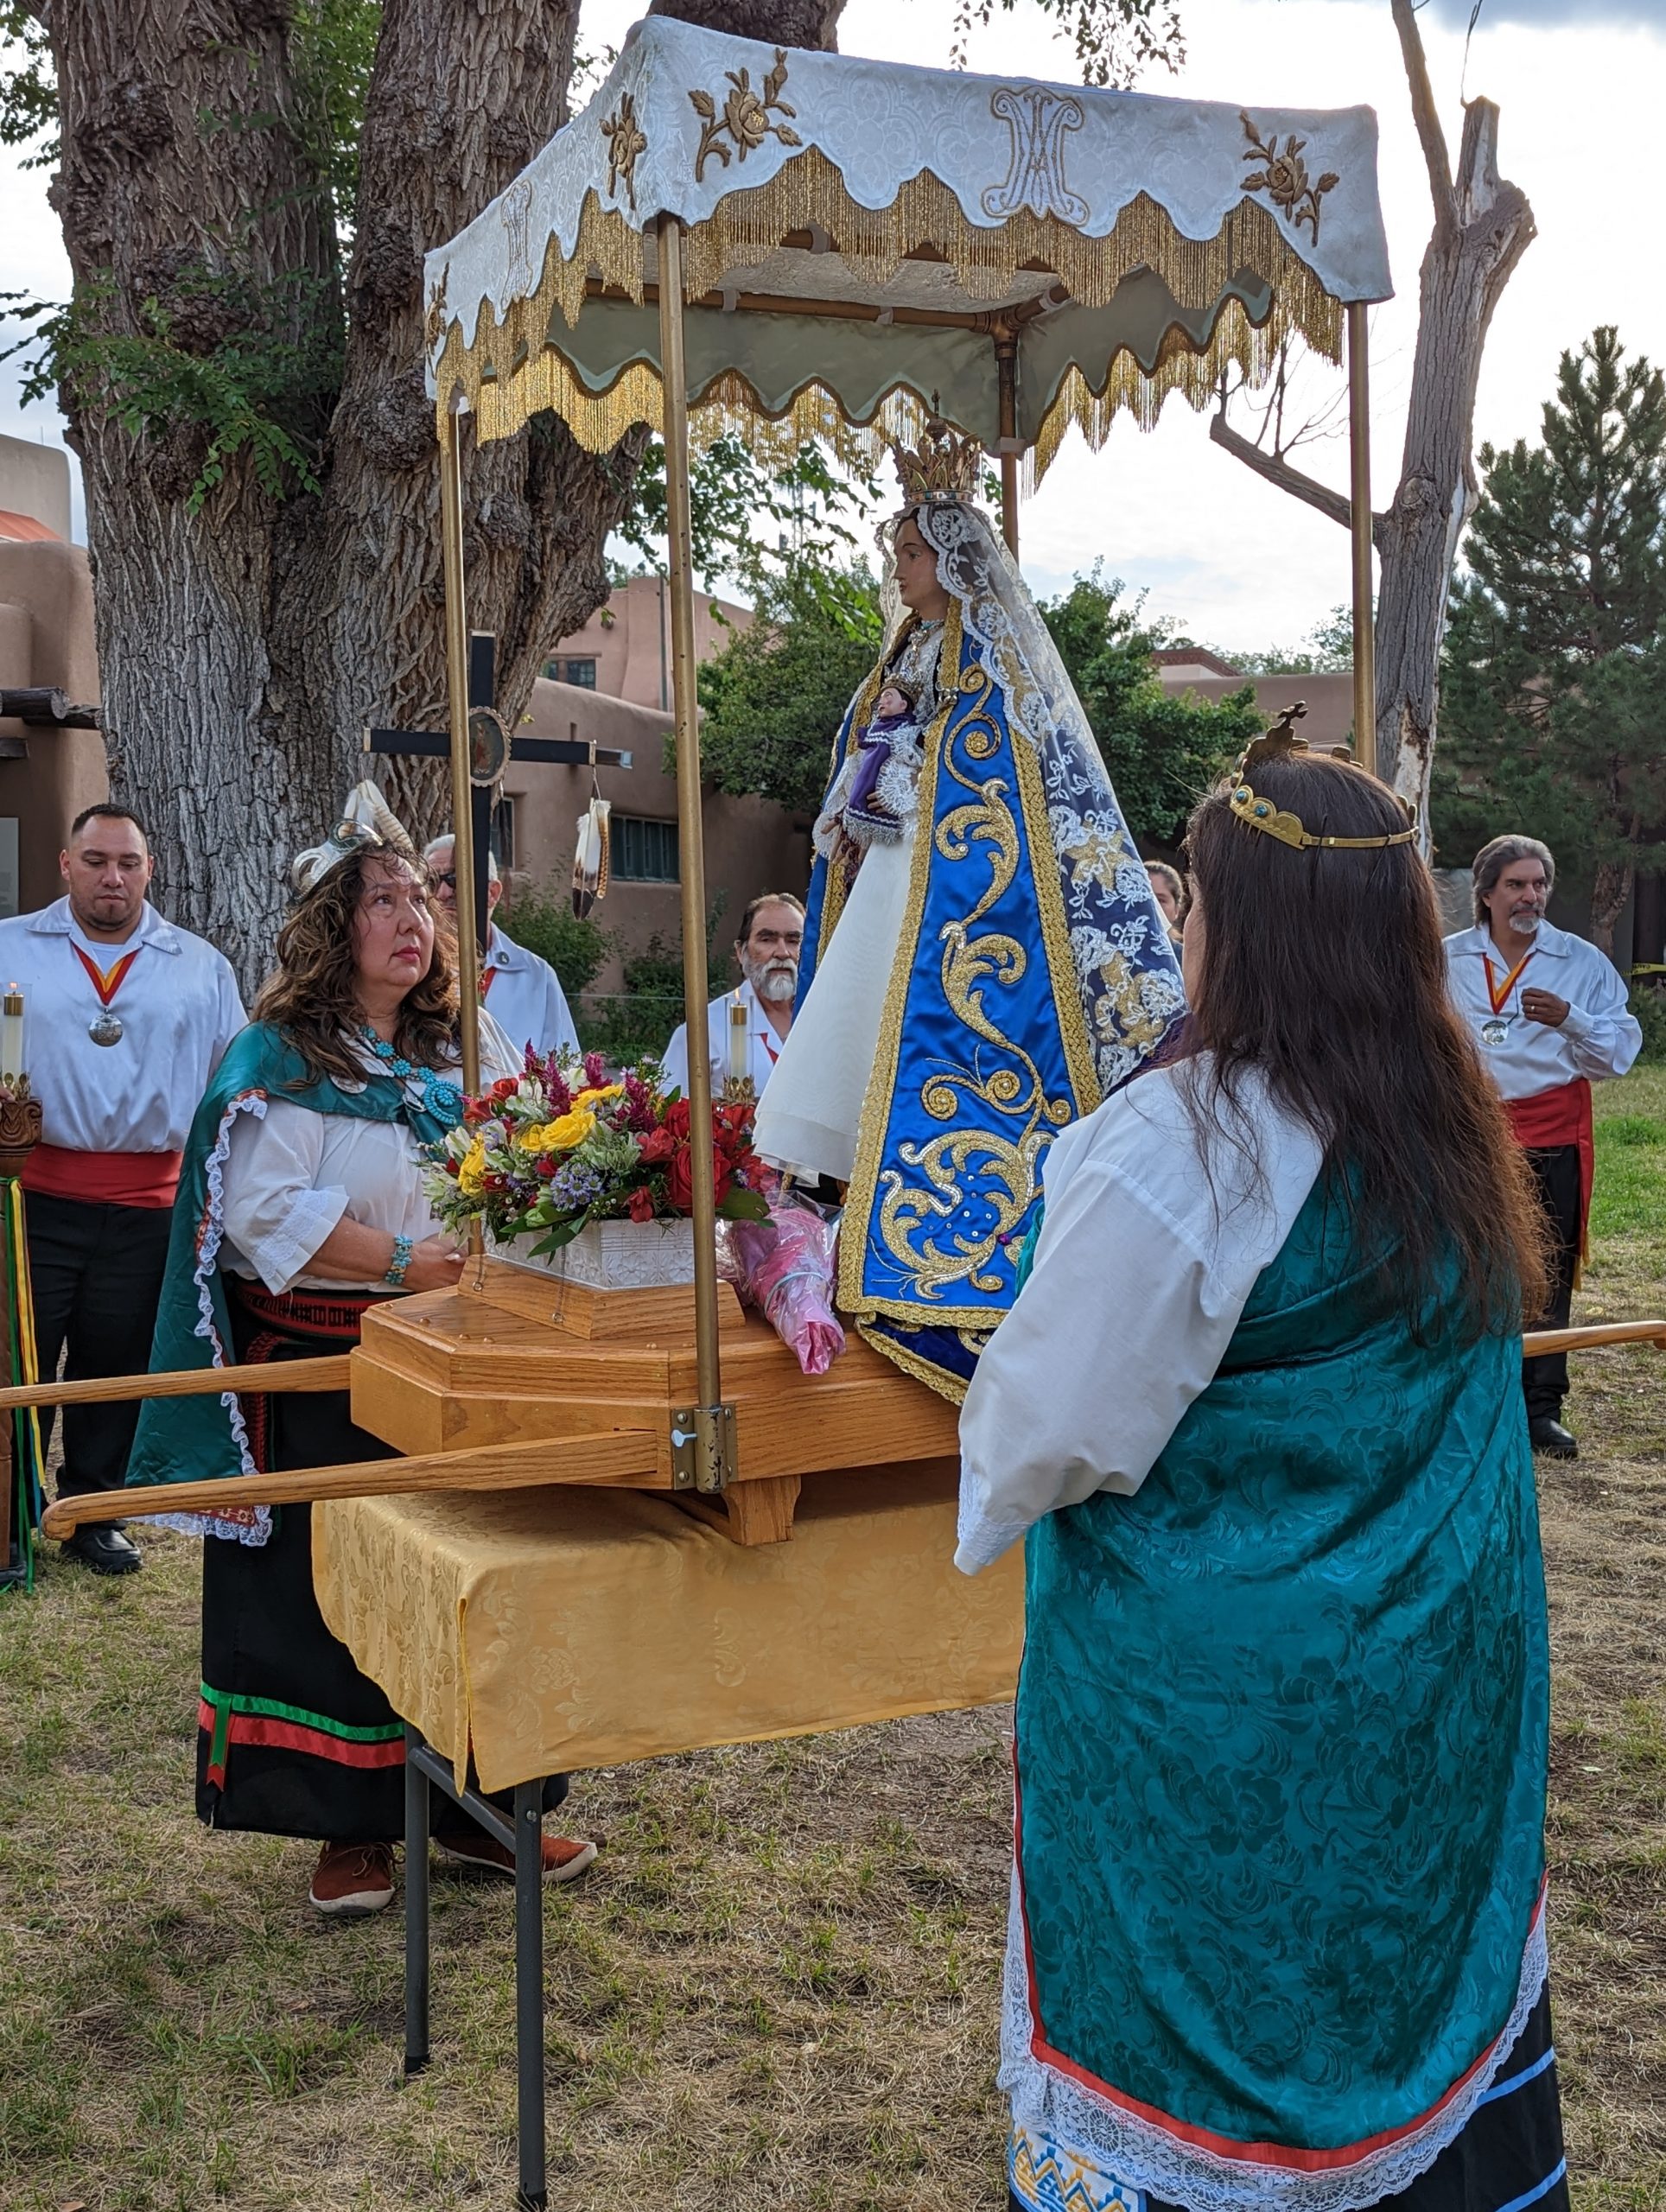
x: 1482, y: 227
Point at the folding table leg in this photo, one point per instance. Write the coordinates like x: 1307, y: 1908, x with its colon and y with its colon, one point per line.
x: 417, y: 1908
x: 529, y: 1989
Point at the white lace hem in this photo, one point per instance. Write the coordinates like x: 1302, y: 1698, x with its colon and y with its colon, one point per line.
x: 211, y: 1235
x: 1141, y: 2151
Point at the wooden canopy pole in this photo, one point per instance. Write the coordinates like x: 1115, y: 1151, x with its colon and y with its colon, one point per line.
x: 1006, y: 362
x: 713, y: 1424
x: 1359, y: 457
x: 456, y: 677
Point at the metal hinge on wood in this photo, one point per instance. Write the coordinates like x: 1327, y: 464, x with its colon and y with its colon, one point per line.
x: 703, y: 1447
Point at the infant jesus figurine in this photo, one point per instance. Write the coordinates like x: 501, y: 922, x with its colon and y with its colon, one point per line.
x: 876, y: 796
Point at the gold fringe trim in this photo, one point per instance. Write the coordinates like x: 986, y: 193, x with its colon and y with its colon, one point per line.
x: 1236, y: 341
x: 731, y: 407
x: 747, y: 226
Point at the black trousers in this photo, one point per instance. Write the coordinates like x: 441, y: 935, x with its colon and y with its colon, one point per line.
x: 1556, y: 1171
x: 97, y: 1274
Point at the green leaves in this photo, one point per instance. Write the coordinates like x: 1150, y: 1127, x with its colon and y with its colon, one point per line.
x: 775, y: 696
x: 1554, y: 687
x: 1162, y: 753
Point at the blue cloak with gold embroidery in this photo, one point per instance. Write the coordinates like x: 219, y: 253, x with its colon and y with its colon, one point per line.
x: 1033, y: 974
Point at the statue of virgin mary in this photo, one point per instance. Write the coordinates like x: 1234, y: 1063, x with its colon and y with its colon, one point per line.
x: 984, y: 961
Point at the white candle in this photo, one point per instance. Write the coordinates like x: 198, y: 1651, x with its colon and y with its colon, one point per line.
x: 740, y: 1045
x: 11, y: 1032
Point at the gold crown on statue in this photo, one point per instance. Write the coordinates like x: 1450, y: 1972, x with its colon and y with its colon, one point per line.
x: 942, y: 469
x: 1280, y: 742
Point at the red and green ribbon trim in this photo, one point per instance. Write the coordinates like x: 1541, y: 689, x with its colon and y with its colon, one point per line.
x: 228, y: 1718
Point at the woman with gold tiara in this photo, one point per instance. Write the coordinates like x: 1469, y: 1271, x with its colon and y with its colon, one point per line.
x: 983, y: 957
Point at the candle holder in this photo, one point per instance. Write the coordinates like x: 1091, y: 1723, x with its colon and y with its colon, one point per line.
x: 20, y: 1124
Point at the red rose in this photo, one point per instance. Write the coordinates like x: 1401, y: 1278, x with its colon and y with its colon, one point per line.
x: 680, y: 1180
x: 677, y: 1119
x: 657, y: 1146
x: 640, y: 1204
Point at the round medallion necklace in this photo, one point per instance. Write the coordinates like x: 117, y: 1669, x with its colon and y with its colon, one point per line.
x: 441, y: 1096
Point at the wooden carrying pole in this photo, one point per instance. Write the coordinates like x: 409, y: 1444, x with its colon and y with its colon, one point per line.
x: 614, y: 1455
x: 1359, y: 458
x: 711, y: 1440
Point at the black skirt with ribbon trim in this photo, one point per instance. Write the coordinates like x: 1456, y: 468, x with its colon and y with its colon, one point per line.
x: 292, y: 1740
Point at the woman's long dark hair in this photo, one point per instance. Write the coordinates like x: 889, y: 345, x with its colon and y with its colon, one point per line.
x: 311, y: 996
x: 1324, y: 972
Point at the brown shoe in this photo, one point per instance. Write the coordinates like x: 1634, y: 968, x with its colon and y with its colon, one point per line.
x: 565, y: 1857
x: 352, y: 1879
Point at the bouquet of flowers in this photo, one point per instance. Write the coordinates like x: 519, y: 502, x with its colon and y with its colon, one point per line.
x: 562, y: 1145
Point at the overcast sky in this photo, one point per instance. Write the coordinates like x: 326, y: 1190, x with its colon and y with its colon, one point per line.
x: 1581, y: 85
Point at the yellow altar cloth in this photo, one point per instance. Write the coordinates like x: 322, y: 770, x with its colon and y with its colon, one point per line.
x: 566, y: 1628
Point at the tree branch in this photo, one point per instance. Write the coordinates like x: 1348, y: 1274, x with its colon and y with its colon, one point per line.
x: 1432, y: 137
x: 1296, y: 481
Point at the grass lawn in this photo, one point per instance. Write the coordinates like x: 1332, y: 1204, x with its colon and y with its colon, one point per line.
x: 778, y: 1986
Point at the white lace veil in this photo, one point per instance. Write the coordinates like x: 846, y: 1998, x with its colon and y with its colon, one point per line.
x: 1125, y: 967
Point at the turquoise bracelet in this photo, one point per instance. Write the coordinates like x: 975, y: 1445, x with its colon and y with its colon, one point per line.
x: 394, y: 1277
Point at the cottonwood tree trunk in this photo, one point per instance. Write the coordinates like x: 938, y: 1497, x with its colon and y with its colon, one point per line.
x: 243, y: 646
x: 1482, y: 227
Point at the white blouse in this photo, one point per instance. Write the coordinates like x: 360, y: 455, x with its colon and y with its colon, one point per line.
x: 1149, y: 1248
x: 291, y: 1174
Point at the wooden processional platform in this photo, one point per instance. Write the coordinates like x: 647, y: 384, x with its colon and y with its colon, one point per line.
x: 513, y: 1358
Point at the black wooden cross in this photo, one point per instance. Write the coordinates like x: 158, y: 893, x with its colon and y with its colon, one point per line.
x: 434, y: 743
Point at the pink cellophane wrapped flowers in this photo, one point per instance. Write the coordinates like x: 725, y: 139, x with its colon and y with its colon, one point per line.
x: 784, y: 1267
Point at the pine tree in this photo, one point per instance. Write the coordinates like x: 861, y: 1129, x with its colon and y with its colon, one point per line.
x: 1555, y: 708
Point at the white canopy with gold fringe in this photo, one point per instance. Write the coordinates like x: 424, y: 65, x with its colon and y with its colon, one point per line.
x: 856, y: 233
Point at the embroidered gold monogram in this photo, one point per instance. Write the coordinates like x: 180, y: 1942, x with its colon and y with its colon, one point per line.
x: 1035, y: 172
x: 626, y: 143
x: 745, y: 120
x: 1285, y: 179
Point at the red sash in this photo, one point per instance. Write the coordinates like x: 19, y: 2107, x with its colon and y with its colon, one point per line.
x: 103, y: 1178
x: 1558, y: 1117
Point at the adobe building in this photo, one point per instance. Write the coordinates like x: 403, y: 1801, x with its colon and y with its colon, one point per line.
x: 1329, y: 695
x: 51, y: 755
x: 609, y: 684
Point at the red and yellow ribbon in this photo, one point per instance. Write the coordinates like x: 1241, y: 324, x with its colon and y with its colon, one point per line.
x: 106, y: 980
x: 1498, y: 993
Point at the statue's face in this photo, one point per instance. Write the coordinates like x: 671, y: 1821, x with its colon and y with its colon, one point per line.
x: 918, y: 586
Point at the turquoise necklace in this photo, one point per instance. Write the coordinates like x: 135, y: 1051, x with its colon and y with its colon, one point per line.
x: 441, y: 1097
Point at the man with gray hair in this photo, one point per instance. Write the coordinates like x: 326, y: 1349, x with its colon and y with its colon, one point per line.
x: 524, y: 992
x: 1549, y: 1013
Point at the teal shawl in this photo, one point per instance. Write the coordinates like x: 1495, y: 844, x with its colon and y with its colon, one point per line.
x: 1282, y: 1742
x: 198, y: 1439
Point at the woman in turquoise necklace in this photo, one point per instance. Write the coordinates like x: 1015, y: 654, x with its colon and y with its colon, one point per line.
x: 302, y: 1205
x: 1277, y: 1935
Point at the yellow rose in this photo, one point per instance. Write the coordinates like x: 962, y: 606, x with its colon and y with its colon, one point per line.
x: 472, y: 1168
x: 600, y: 1090
x: 561, y: 1135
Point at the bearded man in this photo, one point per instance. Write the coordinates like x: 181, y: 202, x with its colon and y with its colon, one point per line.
x: 1550, y: 1014
x: 766, y: 951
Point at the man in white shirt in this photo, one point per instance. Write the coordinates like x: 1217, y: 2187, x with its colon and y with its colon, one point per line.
x: 523, y: 992
x: 772, y: 937
x: 1549, y: 1013
x: 127, y: 1018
